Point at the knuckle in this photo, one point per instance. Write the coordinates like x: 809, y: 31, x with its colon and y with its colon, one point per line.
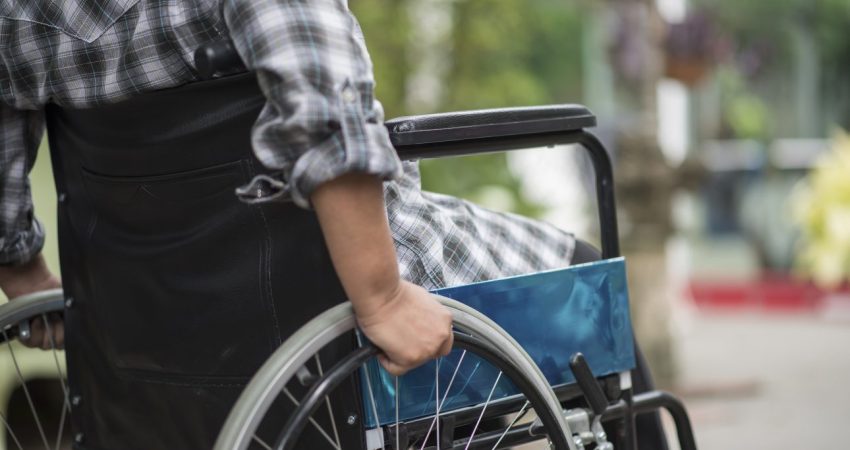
x: 407, y: 360
x: 421, y: 356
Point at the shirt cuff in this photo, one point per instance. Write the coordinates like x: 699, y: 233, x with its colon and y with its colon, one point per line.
x: 360, y: 144
x: 22, y: 246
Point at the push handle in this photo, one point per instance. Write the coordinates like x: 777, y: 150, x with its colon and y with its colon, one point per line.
x: 587, y: 382
x: 217, y: 57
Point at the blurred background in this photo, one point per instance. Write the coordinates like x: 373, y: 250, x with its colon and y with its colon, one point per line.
x: 724, y: 119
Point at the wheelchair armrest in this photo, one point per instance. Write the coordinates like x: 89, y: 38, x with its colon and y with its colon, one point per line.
x: 499, y: 130
x: 453, y: 133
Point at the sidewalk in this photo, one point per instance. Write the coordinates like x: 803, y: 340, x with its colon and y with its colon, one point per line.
x: 766, y: 381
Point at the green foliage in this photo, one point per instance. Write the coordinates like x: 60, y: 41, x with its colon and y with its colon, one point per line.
x: 758, y: 21
x: 514, y: 52
x: 746, y: 114
x: 503, y: 53
x: 748, y: 117
x: 833, y: 21
x: 764, y: 31
x: 483, y: 179
x: 387, y: 33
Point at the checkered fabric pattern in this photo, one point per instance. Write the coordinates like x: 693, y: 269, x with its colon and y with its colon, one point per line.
x: 320, y: 121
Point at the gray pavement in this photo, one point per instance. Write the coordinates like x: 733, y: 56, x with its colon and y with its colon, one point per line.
x: 766, y: 381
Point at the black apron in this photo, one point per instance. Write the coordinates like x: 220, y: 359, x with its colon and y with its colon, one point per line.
x: 179, y: 290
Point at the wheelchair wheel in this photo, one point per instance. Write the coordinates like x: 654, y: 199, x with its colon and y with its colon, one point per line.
x: 297, y: 366
x: 32, y: 379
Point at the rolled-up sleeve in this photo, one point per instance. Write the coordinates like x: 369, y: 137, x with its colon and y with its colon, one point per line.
x: 321, y: 119
x: 21, y: 235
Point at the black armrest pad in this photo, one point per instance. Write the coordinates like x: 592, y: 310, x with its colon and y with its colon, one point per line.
x: 488, y: 123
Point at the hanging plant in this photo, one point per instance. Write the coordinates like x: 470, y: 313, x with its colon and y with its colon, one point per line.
x: 691, y: 48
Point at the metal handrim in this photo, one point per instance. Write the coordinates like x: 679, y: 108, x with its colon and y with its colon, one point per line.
x: 15, y: 319
x: 273, y: 376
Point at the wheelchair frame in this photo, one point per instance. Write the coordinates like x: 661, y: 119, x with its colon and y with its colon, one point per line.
x: 506, y: 129
x: 458, y: 134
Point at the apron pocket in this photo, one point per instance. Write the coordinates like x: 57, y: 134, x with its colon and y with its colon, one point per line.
x: 177, y: 265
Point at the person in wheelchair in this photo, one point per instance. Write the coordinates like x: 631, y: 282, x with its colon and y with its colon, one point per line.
x: 176, y: 289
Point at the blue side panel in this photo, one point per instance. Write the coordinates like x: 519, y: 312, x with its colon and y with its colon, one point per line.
x: 551, y: 314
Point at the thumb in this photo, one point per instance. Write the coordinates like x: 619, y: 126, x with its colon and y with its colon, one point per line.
x: 446, y: 348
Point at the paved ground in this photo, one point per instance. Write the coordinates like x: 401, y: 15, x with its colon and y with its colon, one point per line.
x: 766, y: 381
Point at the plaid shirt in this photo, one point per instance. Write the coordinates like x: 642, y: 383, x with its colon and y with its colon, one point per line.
x: 320, y: 120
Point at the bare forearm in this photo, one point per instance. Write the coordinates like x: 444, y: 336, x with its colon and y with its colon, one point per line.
x: 353, y: 218
x: 27, y: 278
x: 402, y: 319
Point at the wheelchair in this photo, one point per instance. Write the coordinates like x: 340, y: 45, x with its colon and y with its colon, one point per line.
x: 594, y: 411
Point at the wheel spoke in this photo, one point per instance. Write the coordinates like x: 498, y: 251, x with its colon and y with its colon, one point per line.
x: 439, y: 404
x: 66, y: 405
x: 369, y: 384
x: 397, y: 394
x: 481, y: 416
x: 52, y: 338
x: 471, y: 376
x: 312, y: 421
x: 9, y: 430
x: 493, y: 346
x: 261, y: 442
x: 510, y: 427
x: 372, y: 397
x: 328, y: 403
x: 26, y: 391
x: 61, y: 426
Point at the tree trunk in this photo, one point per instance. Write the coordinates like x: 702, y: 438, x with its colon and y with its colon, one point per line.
x: 645, y: 181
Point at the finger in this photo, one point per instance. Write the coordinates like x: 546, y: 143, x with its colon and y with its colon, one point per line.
x: 391, y: 367
x: 57, y: 331
x: 36, y: 334
x: 50, y: 334
x: 446, y: 348
x: 28, y: 342
x: 47, y: 337
x: 59, y: 334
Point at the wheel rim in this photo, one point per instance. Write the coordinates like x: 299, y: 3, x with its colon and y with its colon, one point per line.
x: 272, y: 378
x: 17, y: 318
